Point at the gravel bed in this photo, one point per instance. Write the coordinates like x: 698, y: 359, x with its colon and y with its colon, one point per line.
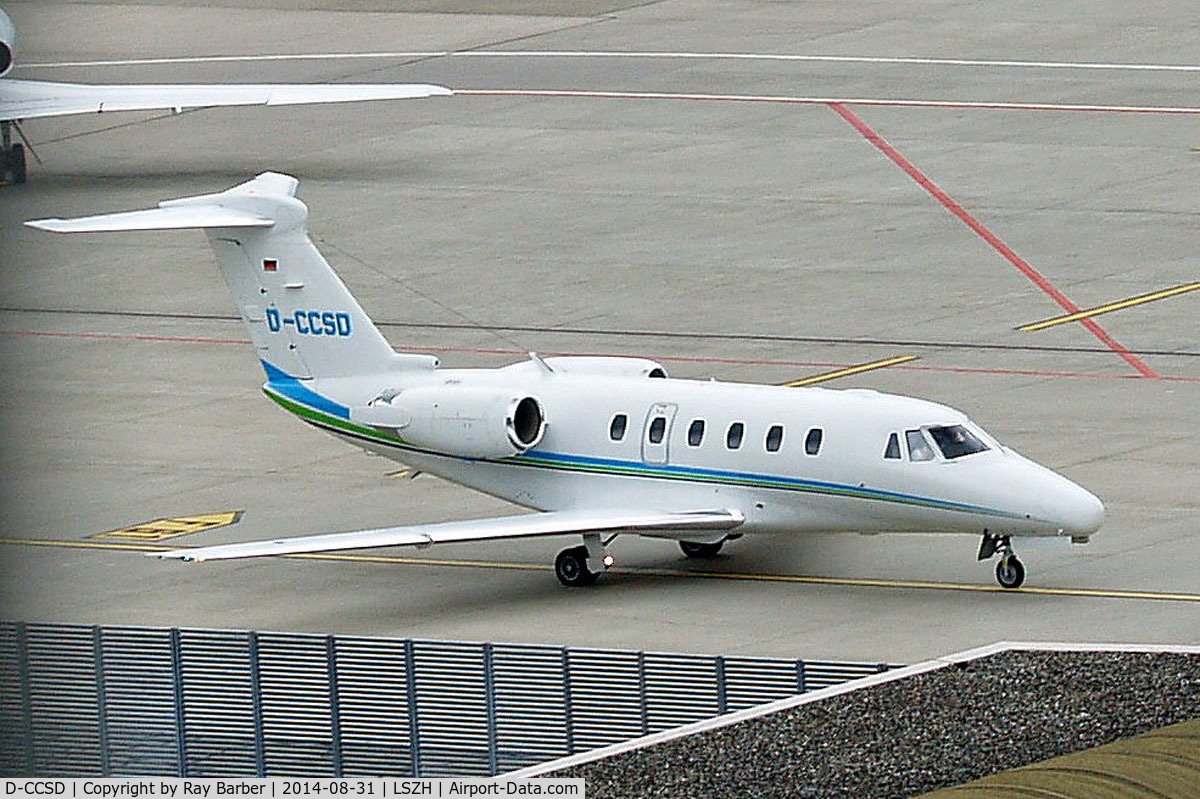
x: 907, y: 737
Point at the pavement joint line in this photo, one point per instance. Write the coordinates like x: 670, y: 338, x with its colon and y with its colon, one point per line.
x: 645, y: 54
x: 1118, y: 305
x: 985, y: 105
x: 994, y: 241
x: 669, y: 358
x: 854, y: 582
x: 850, y: 370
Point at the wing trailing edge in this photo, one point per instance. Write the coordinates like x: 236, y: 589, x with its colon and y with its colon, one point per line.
x: 421, y: 535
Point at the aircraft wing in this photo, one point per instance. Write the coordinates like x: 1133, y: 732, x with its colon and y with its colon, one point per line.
x: 27, y: 99
x: 533, y: 524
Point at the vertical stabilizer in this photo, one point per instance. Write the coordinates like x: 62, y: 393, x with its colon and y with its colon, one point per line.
x: 301, y: 317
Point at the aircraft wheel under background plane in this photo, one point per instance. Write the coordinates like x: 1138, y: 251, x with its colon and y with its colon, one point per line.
x: 570, y: 567
x: 1010, y: 572
x: 14, y: 164
x: 695, y: 550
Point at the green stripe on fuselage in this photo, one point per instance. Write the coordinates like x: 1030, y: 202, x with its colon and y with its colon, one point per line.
x: 335, y: 424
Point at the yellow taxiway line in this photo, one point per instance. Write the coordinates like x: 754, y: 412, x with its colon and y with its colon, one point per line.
x: 856, y: 582
x: 1112, y: 306
x: 850, y: 370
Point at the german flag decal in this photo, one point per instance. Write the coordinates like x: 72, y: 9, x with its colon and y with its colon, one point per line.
x: 270, y: 265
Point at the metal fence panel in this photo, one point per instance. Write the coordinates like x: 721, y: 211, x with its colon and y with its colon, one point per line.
x: 87, y: 700
x: 531, y: 705
x: 296, y: 710
x: 139, y: 685
x: 222, y: 719
x: 607, y: 697
x: 15, y: 756
x: 374, y: 704
x: 452, y: 712
x: 64, y: 700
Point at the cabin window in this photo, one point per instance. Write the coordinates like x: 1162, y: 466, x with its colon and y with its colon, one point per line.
x: 733, y: 438
x: 696, y: 433
x: 892, y: 452
x: 658, y: 428
x: 616, y: 430
x: 775, y: 438
x: 812, y: 441
x: 918, y: 447
x: 955, y: 441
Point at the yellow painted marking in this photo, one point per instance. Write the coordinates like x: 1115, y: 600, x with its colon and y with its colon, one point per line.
x: 173, y: 527
x: 1109, y: 308
x: 856, y: 582
x: 851, y: 370
x: 401, y: 473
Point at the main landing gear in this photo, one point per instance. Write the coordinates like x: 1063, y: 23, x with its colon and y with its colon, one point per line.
x: 12, y: 156
x: 580, y: 566
x: 702, y: 551
x: 1010, y: 572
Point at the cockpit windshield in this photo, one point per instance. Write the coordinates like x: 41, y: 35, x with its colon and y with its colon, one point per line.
x: 956, y: 441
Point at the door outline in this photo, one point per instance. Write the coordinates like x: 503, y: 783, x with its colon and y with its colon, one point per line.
x: 660, y: 452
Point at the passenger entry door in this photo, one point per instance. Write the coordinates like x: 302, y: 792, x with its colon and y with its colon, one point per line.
x: 656, y: 433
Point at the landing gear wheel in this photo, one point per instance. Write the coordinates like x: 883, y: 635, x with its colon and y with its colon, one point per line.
x: 694, y: 550
x: 570, y: 567
x: 1010, y: 572
x: 14, y: 164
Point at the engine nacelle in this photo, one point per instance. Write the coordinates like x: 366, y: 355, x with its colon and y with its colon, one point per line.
x: 459, y: 420
x: 8, y: 43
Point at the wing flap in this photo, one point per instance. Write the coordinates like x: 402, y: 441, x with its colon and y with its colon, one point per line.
x: 530, y: 525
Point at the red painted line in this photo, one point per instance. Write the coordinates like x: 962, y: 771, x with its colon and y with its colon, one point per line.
x: 669, y: 358
x: 953, y: 207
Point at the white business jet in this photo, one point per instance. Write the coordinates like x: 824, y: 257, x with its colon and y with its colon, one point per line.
x: 28, y: 99
x: 600, y: 446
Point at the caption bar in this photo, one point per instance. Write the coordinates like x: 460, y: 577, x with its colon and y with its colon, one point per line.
x: 212, y: 788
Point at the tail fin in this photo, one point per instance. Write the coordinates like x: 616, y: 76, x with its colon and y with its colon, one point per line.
x: 300, y: 315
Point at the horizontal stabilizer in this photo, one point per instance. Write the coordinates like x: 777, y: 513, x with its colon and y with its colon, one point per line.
x: 534, y: 524
x: 173, y: 218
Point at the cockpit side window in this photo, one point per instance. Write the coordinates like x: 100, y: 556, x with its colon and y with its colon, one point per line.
x: 918, y: 447
x: 956, y: 441
x: 892, y: 452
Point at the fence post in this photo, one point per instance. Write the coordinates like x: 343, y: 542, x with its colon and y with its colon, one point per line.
x: 414, y: 728
x: 260, y: 754
x: 26, y: 697
x: 101, y: 703
x: 722, y: 700
x: 799, y: 675
x: 489, y: 695
x: 180, y: 725
x: 642, y: 697
x: 335, y: 706
x: 568, y: 713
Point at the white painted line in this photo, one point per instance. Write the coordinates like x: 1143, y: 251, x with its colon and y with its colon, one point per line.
x: 905, y: 103
x: 835, y: 59
x: 757, y: 711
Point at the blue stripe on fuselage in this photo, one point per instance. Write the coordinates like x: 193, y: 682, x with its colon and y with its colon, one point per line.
x: 285, y: 385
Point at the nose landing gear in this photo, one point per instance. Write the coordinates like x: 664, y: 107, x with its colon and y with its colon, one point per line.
x: 1010, y: 572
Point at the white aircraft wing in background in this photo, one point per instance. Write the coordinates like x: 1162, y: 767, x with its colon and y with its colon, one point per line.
x: 533, y: 524
x: 29, y: 99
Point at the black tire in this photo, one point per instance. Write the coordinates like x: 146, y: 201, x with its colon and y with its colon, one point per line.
x: 1010, y: 572
x: 570, y: 567
x: 694, y: 550
x: 14, y: 164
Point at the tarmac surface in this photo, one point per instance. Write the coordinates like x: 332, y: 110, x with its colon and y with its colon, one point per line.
x: 745, y: 239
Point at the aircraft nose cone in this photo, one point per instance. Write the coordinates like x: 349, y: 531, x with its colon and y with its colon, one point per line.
x: 1082, y: 512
